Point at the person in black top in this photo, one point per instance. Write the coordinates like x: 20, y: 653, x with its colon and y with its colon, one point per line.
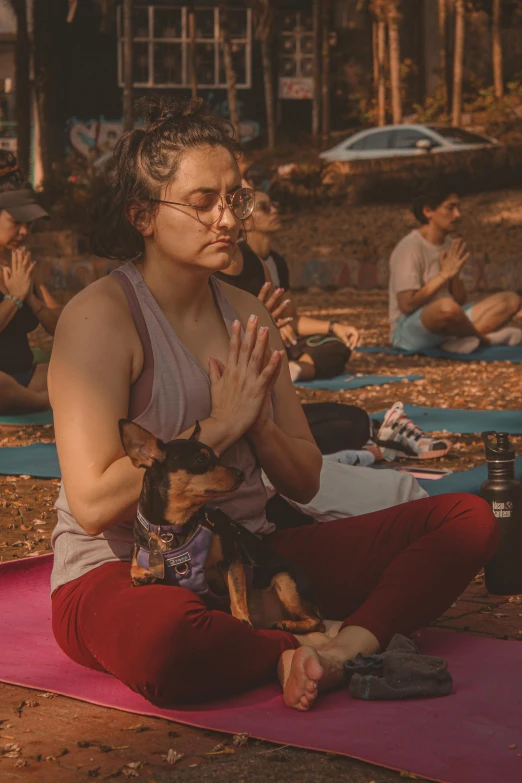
x: 24, y: 303
x: 315, y: 348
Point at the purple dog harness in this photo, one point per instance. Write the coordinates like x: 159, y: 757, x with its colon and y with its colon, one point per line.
x: 185, y: 566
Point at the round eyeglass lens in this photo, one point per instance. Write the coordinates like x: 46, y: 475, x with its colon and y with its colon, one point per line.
x: 209, y: 208
x: 243, y: 203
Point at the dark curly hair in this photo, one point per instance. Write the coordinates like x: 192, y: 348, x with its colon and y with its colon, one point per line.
x: 11, y: 176
x: 145, y: 160
x: 433, y: 194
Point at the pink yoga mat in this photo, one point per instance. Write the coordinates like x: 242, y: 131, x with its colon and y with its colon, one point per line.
x: 463, y: 738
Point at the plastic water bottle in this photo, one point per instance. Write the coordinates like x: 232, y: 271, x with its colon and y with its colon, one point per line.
x: 504, y: 494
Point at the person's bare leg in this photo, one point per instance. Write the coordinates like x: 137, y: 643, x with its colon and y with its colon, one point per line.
x: 494, y: 312
x: 15, y: 398
x: 308, y: 670
x: 447, y: 319
x: 38, y: 382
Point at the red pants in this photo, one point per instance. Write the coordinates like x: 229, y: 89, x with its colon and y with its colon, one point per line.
x: 390, y: 572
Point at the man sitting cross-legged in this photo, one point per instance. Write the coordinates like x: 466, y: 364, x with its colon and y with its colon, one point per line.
x: 427, y: 296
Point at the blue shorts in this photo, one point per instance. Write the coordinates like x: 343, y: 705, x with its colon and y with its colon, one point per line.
x: 411, y: 335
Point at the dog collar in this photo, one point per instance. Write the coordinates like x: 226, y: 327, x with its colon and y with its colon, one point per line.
x: 166, y: 530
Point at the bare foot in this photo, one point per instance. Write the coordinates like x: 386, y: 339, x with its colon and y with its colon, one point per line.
x: 304, y: 672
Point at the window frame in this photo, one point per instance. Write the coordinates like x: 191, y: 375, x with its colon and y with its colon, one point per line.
x: 184, y: 42
x: 297, y: 33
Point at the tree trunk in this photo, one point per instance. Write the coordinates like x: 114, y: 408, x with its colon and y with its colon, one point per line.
x: 128, y: 65
x: 443, y: 54
x: 395, y: 62
x: 269, y: 92
x: 325, y: 73
x: 458, y: 62
x: 316, y: 101
x: 22, y: 86
x: 230, y: 73
x: 50, y: 63
x: 192, y: 53
x: 264, y: 21
x: 381, y: 62
x: 498, y: 70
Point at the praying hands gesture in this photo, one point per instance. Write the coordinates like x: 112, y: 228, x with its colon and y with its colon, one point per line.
x: 451, y: 262
x: 241, y: 388
x: 18, y: 278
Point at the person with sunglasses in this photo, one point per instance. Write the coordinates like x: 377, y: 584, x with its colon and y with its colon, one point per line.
x: 315, y: 348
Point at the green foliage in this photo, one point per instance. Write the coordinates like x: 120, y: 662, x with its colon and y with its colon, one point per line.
x: 500, y: 117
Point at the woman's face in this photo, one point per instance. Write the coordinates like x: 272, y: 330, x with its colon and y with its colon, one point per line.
x: 12, y: 234
x: 266, y: 218
x: 176, y: 231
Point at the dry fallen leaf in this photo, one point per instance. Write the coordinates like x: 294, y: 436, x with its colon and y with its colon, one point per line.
x: 238, y: 740
x: 172, y: 757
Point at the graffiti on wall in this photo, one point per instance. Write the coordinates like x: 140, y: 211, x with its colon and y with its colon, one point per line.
x: 95, y: 139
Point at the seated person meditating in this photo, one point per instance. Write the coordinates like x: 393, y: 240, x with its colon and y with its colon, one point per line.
x: 427, y: 296
x: 315, y: 349
x: 24, y: 301
x: 164, y: 343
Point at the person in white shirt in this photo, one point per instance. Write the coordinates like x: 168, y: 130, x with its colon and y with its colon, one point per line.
x: 427, y: 298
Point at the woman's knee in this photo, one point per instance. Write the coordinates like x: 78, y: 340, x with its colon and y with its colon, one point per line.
x: 165, y: 665
x: 473, y: 526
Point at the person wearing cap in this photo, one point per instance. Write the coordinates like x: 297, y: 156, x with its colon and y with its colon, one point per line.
x: 24, y: 302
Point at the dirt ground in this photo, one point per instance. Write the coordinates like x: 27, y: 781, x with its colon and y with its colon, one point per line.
x: 59, y: 739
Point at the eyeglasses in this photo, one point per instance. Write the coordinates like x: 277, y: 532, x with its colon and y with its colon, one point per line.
x: 210, y: 207
x: 267, y: 206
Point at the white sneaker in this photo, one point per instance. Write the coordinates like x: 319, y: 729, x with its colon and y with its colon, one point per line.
x: 461, y: 344
x: 510, y: 335
x: 399, y: 436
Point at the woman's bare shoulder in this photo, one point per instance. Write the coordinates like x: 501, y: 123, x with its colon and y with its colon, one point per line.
x: 104, y: 299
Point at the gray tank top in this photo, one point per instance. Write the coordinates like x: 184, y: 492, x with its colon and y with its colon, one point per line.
x: 172, y: 391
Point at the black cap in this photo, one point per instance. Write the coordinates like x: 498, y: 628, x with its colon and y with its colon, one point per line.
x: 22, y: 205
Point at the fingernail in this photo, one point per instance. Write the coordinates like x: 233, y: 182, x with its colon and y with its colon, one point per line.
x: 235, y: 323
x: 263, y: 330
x: 252, y: 318
x: 287, y: 301
x: 280, y: 290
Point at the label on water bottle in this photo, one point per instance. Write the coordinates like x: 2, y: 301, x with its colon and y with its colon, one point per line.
x: 502, y: 509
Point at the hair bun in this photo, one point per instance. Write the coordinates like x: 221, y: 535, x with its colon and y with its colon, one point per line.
x: 156, y: 110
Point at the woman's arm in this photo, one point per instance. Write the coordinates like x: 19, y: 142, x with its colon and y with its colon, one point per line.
x: 284, y: 446
x: 45, y: 307
x: 97, y: 355
x: 8, y: 310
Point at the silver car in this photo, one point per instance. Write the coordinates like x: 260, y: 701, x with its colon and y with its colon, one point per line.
x: 401, y: 140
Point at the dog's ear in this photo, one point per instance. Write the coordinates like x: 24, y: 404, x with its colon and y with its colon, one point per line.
x: 140, y: 445
x: 197, y: 430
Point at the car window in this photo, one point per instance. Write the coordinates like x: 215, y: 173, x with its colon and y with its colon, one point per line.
x: 373, y: 141
x: 459, y: 136
x: 407, y: 139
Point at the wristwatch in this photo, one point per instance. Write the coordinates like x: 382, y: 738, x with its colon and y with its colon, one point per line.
x: 331, y: 327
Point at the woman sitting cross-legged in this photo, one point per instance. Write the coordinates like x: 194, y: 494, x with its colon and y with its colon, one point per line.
x: 162, y: 342
x: 24, y: 303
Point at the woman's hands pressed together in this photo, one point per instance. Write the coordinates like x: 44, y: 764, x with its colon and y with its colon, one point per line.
x: 18, y: 278
x: 241, y: 389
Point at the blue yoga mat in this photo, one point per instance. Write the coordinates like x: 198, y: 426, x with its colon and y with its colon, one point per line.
x: 39, y: 460
x: 44, y: 417
x: 464, y: 481
x: 355, y: 381
x: 461, y: 421
x: 488, y: 353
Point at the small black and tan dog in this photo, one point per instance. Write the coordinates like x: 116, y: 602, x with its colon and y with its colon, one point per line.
x: 179, y: 540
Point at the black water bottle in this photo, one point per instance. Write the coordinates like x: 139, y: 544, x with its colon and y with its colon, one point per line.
x: 504, y: 494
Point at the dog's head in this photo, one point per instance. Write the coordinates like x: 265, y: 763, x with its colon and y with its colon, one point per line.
x: 180, y: 476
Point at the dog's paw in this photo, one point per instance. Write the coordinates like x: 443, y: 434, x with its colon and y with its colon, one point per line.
x: 141, y: 577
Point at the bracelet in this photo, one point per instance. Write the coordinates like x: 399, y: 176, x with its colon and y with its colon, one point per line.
x: 17, y: 302
x: 331, y: 327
